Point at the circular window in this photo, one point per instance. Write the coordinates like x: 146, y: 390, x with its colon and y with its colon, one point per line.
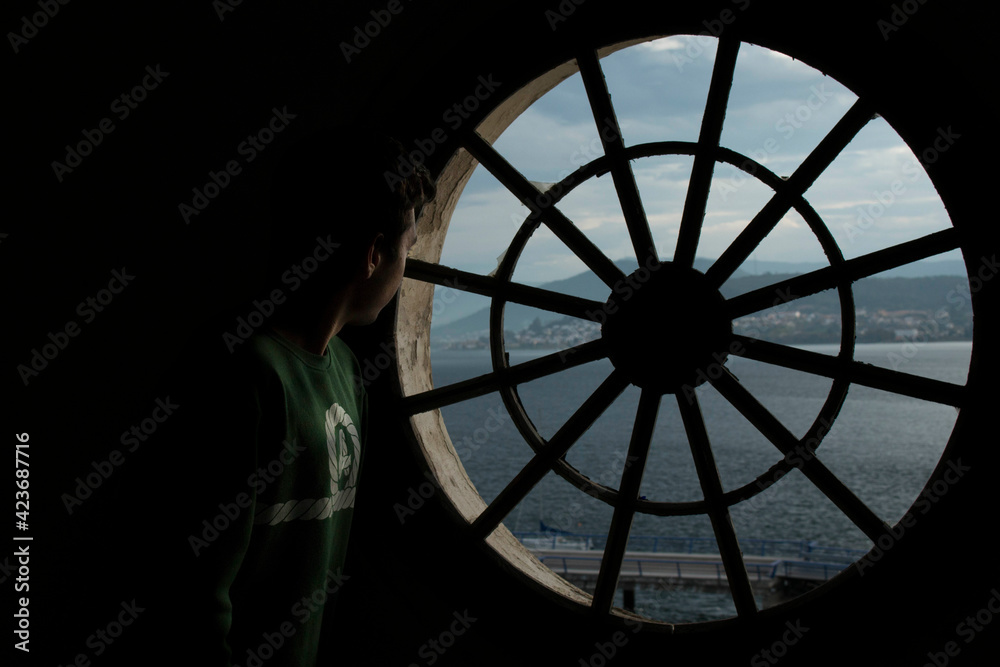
x: 613, y: 391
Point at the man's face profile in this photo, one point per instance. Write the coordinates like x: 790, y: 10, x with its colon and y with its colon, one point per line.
x: 385, y: 270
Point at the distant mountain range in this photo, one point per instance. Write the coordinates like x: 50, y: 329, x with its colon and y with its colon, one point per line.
x: 918, y: 286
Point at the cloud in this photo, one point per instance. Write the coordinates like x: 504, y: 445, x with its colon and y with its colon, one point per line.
x: 779, y: 110
x: 672, y: 43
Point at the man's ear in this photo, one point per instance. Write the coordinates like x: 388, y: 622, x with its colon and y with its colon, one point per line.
x: 375, y: 254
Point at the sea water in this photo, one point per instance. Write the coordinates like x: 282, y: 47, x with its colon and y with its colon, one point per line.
x: 882, y: 446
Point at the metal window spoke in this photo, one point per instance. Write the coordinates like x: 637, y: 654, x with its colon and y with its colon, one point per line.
x: 556, y: 448
x: 527, y: 371
x: 536, y: 297
x: 897, y: 382
x: 614, y: 147
x: 700, y: 183
x: 711, y: 486
x: 807, y: 284
x: 821, y: 476
x: 542, y: 206
x: 628, y: 495
x: 815, y: 163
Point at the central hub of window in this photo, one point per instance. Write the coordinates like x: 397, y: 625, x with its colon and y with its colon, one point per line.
x: 666, y: 327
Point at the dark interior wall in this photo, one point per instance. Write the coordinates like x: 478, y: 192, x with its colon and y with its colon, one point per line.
x: 224, y: 74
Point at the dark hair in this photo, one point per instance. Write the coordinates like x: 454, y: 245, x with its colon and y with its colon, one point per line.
x: 342, y: 185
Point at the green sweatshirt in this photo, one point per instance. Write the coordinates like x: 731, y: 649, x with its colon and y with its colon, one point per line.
x: 269, y: 516
x: 312, y: 417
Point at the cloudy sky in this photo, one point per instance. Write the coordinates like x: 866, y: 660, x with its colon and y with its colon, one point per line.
x: 779, y: 110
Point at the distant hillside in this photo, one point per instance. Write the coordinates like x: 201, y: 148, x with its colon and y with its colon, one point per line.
x: 890, y: 294
x: 461, y: 312
x: 476, y: 308
x: 923, y: 269
x: 932, y: 294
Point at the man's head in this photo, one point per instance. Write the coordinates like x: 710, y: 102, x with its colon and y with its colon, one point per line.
x: 353, y: 189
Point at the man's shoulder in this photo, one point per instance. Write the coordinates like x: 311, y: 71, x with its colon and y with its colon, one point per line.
x: 343, y: 355
x: 267, y: 352
x: 260, y: 360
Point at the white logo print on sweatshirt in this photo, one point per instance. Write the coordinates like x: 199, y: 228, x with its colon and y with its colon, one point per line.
x: 343, y: 448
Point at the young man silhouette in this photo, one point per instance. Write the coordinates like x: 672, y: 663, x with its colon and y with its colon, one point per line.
x: 256, y: 528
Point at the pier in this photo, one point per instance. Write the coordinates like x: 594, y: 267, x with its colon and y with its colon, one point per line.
x: 774, y: 566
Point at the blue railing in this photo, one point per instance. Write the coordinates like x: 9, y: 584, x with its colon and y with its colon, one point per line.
x: 655, y: 567
x: 804, y: 550
x: 806, y: 569
x: 832, y: 554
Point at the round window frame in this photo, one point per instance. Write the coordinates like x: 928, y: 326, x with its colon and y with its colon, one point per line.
x: 428, y: 429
